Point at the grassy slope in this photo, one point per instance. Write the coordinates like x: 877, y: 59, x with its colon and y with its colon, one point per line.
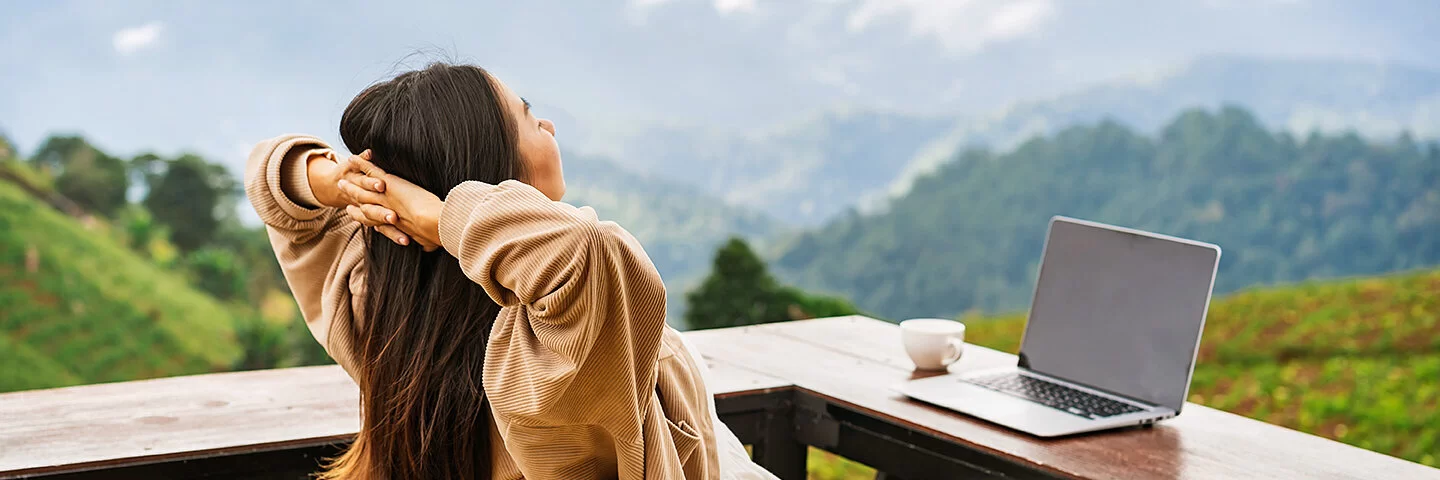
x: 93, y: 311
x: 1355, y: 361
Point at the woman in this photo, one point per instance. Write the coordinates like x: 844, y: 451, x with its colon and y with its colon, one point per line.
x: 494, y: 332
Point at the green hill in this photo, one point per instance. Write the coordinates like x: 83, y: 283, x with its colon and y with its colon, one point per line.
x: 1351, y: 360
x: 1285, y: 210
x: 78, y: 307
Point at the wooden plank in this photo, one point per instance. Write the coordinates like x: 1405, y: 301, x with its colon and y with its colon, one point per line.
x: 155, y: 420
x: 728, y: 379
x: 877, y: 341
x: 855, y: 361
x: 297, y: 463
x: 106, y: 425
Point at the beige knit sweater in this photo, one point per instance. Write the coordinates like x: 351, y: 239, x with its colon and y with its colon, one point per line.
x: 584, y: 378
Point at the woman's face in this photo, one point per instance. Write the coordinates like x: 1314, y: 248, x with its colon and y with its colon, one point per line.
x: 537, y: 147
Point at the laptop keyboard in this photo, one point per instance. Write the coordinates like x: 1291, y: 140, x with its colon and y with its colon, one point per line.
x: 1055, y: 395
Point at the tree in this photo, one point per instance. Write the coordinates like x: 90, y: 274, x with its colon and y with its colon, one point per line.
x: 84, y: 174
x: 56, y: 151
x: 97, y: 183
x: 189, y: 196
x: 219, y: 272
x: 147, y: 169
x: 740, y: 291
x: 251, y: 247
x: 142, y: 232
x: 7, y: 148
x: 809, y: 305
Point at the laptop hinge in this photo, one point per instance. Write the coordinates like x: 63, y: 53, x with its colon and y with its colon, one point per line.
x: 1024, y: 361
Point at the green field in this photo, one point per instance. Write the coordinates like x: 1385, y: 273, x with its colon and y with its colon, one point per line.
x: 77, y: 307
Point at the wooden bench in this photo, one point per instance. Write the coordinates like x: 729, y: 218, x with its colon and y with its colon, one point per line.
x: 780, y: 387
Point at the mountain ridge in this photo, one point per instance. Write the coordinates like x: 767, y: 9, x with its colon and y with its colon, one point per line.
x: 808, y: 169
x: 1285, y: 209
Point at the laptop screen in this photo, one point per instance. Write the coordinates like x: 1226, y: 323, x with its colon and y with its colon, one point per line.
x: 1119, y: 311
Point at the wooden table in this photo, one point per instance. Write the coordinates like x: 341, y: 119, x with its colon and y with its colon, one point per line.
x: 845, y: 366
x: 780, y: 387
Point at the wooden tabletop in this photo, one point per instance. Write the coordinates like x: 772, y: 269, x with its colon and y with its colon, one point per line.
x: 855, y: 360
x: 107, y: 425
x: 850, y: 360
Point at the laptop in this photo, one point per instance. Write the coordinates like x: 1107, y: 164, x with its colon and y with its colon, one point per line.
x: 1111, y: 340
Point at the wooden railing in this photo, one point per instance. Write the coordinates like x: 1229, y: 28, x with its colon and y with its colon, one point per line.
x: 782, y: 388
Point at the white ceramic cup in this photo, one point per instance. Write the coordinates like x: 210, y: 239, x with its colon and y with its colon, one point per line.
x: 933, y: 343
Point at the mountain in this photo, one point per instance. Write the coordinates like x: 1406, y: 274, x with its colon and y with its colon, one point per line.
x: 1339, y: 359
x: 1298, y: 95
x: 1284, y: 209
x: 678, y: 226
x: 806, y: 171
x: 801, y: 173
x: 78, y: 307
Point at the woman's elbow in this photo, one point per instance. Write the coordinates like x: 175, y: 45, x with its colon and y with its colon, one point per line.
x: 642, y: 280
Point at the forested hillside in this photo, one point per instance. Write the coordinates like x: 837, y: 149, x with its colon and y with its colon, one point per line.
x: 1284, y: 209
x: 96, y: 288
x: 78, y: 307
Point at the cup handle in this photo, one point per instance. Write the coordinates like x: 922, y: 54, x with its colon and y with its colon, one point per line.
x: 954, y: 347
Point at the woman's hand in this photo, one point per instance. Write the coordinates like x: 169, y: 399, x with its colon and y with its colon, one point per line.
x: 324, y: 173
x: 398, y: 209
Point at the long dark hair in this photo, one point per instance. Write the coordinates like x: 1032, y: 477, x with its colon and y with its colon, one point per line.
x: 421, y: 341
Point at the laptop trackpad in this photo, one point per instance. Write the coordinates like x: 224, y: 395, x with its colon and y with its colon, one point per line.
x: 1008, y: 410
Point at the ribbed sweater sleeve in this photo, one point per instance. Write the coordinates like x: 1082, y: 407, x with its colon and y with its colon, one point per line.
x: 578, y: 342
x: 320, y: 249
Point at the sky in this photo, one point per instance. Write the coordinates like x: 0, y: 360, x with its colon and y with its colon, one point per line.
x: 216, y: 77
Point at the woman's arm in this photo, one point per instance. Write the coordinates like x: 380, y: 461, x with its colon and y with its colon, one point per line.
x: 322, y: 176
x: 292, y: 181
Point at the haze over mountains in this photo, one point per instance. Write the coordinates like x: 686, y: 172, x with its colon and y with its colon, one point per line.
x: 807, y: 172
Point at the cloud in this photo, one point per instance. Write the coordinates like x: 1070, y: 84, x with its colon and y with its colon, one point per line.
x: 835, y: 77
x: 644, y: 4
x: 134, y: 39
x: 1253, y: 3
x: 963, y: 26
x: 725, y: 7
